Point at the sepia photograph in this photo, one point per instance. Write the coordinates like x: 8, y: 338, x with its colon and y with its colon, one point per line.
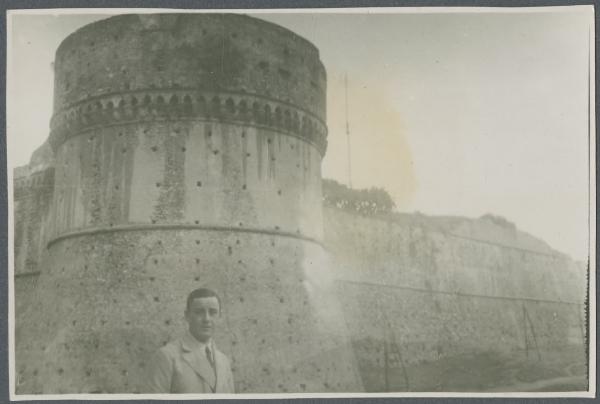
x: 301, y: 203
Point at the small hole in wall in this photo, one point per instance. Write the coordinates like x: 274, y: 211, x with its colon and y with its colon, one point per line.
x: 197, y: 241
x: 199, y: 183
x: 197, y: 278
x: 279, y: 192
x: 196, y: 221
x: 154, y: 148
x: 158, y: 185
x: 247, y: 154
x: 215, y: 152
x: 241, y: 299
x: 167, y: 322
x: 244, y: 186
x: 197, y: 260
x: 183, y: 149
x: 156, y: 299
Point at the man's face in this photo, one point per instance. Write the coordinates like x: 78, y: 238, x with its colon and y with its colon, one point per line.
x: 202, y: 316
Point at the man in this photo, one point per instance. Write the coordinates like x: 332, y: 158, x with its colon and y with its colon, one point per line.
x: 192, y: 364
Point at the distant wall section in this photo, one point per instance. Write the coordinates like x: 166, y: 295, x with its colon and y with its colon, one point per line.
x: 437, y: 291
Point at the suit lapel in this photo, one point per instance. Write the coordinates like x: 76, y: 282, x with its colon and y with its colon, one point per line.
x: 218, y: 369
x: 198, y: 362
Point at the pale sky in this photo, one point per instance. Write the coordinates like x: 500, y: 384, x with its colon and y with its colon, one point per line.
x: 452, y: 113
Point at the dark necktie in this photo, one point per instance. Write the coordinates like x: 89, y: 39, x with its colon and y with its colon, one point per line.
x: 210, y: 358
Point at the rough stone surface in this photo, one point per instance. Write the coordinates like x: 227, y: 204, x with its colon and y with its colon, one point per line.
x: 116, y: 297
x: 426, y: 291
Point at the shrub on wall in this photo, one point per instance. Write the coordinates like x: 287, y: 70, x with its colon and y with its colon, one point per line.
x: 364, y: 201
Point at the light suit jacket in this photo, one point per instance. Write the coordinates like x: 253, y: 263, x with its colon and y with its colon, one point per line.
x: 176, y: 368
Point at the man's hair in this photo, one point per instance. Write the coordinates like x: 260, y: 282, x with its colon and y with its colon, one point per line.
x: 201, y: 292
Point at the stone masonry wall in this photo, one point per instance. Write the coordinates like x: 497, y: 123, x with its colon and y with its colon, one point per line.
x: 32, y: 199
x: 433, y: 293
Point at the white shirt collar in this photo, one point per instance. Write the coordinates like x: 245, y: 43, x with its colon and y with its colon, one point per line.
x: 196, y: 345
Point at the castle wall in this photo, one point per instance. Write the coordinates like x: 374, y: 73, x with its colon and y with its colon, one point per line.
x: 195, y: 173
x: 32, y: 199
x: 101, y: 342
x: 433, y: 294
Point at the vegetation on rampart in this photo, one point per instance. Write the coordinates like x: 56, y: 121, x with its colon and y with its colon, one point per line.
x: 364, y: 201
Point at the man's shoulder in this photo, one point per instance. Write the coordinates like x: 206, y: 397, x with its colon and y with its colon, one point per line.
x: 221, y: 356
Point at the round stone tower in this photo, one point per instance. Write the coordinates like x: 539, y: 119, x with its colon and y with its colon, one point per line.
x: 188, y: 151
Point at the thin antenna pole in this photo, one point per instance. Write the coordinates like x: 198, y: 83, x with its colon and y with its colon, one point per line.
x: 348, y: 131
